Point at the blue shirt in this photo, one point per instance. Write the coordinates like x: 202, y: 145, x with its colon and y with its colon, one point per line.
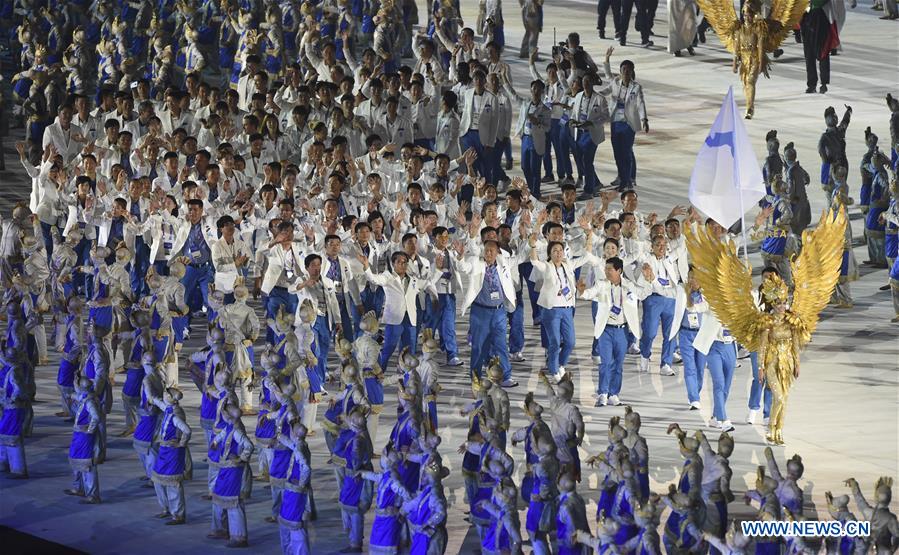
x: 687, y: 321
x: 491, y: 293
x: 135, y: 210
x: 196, y: 246
x: 116, y: 232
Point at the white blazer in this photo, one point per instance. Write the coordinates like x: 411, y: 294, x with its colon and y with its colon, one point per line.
x: 597, y: 112
x: 487, y: 121
x: 399, y: 302
x: 537, y: 130
x: 455, y: 282
x: 476, y: 270
x: 631, y: 95
x: 601, y: 292
x: 350, y: 285
x: 447, y: 138
x: 276, y: 257
x: 680, y: 307
x: 551, y: 284
x: 66, y: 146
x: 210, y: 233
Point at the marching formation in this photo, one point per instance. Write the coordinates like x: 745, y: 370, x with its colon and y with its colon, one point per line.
x: 319, y: 192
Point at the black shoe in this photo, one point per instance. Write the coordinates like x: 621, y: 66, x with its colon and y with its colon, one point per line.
x: 677, y: 54
x: 647, y: 44
x: 622, y: 42
x: 602, y: 33
x: 702, y: 38
x: 809, y: 90
x: 823, y: 89
x: 691, y: 51
x: 548, y: 179
x: 778, y: 53
x: 885, y: 287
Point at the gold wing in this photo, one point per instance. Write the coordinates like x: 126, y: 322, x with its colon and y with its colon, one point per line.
x: 784, y: 16
x: 726, y: 284
x: 723, y: 17
x: 817, y: 269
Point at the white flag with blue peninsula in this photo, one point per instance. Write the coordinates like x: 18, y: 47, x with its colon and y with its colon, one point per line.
x: 726, y: 179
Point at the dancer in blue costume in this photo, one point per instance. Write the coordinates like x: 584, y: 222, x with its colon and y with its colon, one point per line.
x: 266, y: 430
x: 144, y: 440
x: 426, y: 512
x: 134, y: 373
x: 366, y: 350
x: 769, y: 509
x: 95, y: 367
x: 355, y: 492
x: 283, y: 417
x: 387, y: 526
x: 646, y: 517
x: 204, y: 365
x: 15, y: 404
x: 571, y: 519
x: 84, y: 446
x: 405, y: 434
x: 296, y: 499
x: 73, y: 350
x: 688, y: 512
x: 567, y: 425
x: 173, y: 463
x: 503, y: 532
x: 606, y: 462
x: 229, y: 490
x: 638, y: 450
x: 543, y: 497
x: 336, y: 417
x: 716, y: 475
x: 689, y: 484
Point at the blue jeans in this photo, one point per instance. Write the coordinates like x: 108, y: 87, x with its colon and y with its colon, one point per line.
x: 530, y: 165
x: 516, y: 325
x: 322, y: 346
x: 559, y: 326
x: 694, y: 363
x: 47, y: 232
x: 482, y: 164
x: 489, y: 329
x: 445, y: 323
x: 197, y: 277
x: 623, y: 148
x: 612, y: 349
x: 402, y: 335
x: 721, y: 360
x: 139, y: 266
x: 346, y: 321
x: 566, y: 141
x: 756, y: 389
x: 655, y: 308
x: 584, y: 155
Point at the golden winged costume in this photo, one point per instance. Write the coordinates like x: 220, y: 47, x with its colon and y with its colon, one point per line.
x: 753, y: 38
x: 778, y: 333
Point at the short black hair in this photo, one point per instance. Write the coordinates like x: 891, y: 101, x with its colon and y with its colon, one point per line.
x: 616, y: 263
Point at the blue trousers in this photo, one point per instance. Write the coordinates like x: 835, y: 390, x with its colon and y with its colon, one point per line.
x: 46, y: 231
x: 559, y: 326
x: 373, y: 299
x: 758, y: 390
x: 516, y: 325
x: 139, y: 267
x: 594, y: 350
x: 402, y: 335
x: 612, y: 349
x: 445, y: 323
x: 497, y: 159
x: 584, y: 155
x: 346, y: 321
x: 482, y: 164
x: 197, y: 277
x: 655, y: 308
x: 279, y: 297
x: 530, y: 165
x: 489, y: 329
x: 524, y: 270
x: 555, y: 140
x: 722, y: 360
x: 623, y: 149
x: 82, y: 282
x: 694, y: 363
x: 322, y: 330
x: 566, y: 140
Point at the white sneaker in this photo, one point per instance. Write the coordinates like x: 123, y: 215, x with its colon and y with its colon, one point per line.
x: 727, y: 426
x: 596, y: 359
x: 695, y: 405
x: 634, y: 349
x: 554, y: 379
x: 517, y: 357
x: 562, y: 372
x: 750, y: 418
x: 667, y: 370
x: 713, y: 423
x: 602, y: 400
x: 644, y: 365
x: 455, y: 361
x: 613, y: 400
x: 677, y: 358
x: 765, y: 421
x: 743, y: 352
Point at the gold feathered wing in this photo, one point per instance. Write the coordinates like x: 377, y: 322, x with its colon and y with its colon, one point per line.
x: 726, y: 284
x: 723, y: 18
x: 783, y: 18
x: 816, y: 270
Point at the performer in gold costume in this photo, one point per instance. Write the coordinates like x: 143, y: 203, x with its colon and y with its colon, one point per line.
x: 751, y: 39
x: 777, y: 329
